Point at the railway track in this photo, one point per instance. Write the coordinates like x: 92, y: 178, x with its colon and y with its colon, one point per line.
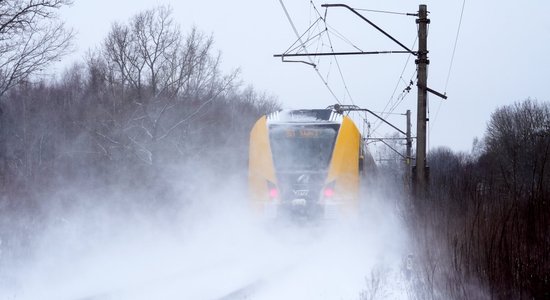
x: 234, y: 280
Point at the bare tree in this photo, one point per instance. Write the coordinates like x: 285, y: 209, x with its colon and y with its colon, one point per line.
x: 31, y: 37
x: 518, y: 138
x: 163, y: 78
x: 151, y: 56
x: 158, y: 39
x: 488, y: 211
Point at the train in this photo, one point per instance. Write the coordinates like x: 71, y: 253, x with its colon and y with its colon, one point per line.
x: 306, y: 164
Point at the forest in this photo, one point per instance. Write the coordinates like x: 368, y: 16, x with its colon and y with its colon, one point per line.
x: 488, y: 211
x: 138, y: 113
x: 151, y: 101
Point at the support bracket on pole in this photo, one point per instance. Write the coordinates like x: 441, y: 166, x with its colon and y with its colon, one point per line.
x: 443, y: 96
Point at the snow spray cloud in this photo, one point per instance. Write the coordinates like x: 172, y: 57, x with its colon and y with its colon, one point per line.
x: 206, y: 245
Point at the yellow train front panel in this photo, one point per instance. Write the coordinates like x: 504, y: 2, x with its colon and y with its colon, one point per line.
x: 304, y: 164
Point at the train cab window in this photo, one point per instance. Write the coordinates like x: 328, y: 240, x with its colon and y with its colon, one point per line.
x: 302, y: 147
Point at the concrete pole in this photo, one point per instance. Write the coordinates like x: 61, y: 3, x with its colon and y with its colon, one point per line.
x: 421, y: 176
x: 409, y: 148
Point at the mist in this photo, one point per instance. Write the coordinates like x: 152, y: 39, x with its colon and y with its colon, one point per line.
x: 125, y: 177
x: 210, y: 247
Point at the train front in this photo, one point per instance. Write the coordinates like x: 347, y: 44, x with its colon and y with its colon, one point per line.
x: 303, y: 165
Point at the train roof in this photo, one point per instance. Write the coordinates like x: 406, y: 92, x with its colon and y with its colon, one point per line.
x: 305, y: 116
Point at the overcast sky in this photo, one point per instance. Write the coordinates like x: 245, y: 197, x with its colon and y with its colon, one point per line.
x: 502, y: 54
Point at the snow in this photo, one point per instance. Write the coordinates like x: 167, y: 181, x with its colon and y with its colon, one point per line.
x: 212, y: 252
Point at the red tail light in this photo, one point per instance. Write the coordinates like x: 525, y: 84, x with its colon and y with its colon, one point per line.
x: 328, y: 192
x: 273, y: 192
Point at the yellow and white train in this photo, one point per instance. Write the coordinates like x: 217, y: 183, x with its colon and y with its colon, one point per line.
x: 307, y: 164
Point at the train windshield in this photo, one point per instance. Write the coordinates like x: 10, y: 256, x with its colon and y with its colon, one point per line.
x: 302, y: 147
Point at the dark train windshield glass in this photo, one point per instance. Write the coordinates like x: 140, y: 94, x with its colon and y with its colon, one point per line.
x: 302, y: 147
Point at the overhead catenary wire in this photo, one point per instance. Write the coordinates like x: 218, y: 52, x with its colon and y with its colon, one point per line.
x: 330, y: 45
x: 320, y: 45
x: 324, y: 19
x: 400, y: 77
x: 301, y: 44
x: 297, y: 47
x: 452, y: 60
x: 407, y: 89
x: 403, y: 94
x: 311, y: 36
x: 329, y: 69
x: 313, y: 28
x: 340, y: 70
x: 343, y: 38
x: 454, y: 47
x: 305, y: 50
x: 317, y: 11
x: 401, y: 97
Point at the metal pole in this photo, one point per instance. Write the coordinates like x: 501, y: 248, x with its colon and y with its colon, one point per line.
x: 421, y: 176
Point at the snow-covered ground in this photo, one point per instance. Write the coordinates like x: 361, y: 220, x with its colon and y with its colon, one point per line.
x: 214, y: 251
